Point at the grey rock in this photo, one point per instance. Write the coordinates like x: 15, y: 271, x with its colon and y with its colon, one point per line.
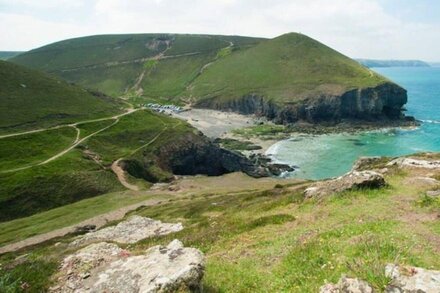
x: 416, y: 163
x: 349, y: 181
x: 412, y: 280
x: 382, y: 102
x: 132, y: 230
x: 433, y: 193
x: 364, y: 163
x: 104, y: 267
x: 347, y: 285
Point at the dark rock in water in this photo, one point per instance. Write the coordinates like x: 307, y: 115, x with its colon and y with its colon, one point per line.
x: 383, y: 102
x: 278, y: 169
x: 359, y: 143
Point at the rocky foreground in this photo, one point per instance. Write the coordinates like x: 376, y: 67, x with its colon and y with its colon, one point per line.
x: 105, y: 267
x: 404, y: 279
x: 126, y: 258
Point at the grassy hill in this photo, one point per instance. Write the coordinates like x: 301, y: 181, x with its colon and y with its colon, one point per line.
x: 288, y: 78
x: 114, y: 63
x: 284, y: 69
x: 5, y: 55
x: 30, y: 99
x: 29, y: 185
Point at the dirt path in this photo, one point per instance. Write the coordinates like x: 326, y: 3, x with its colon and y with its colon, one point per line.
x: 77, y: 140
x: 98, y: 221
x: 32, y: 131
x: 231, y: 44
x: 120, y: 173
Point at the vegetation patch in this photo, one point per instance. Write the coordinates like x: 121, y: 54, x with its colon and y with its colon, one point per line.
x: 238, y: 145
x: 24, y: 150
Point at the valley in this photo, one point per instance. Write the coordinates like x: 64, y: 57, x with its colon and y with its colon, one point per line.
x: 82, y: 152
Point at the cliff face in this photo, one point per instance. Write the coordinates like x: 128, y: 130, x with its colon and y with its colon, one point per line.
x: 190, y: 154
x: 383, y: 102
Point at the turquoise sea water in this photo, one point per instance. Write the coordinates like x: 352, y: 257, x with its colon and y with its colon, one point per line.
x: 332, y: 155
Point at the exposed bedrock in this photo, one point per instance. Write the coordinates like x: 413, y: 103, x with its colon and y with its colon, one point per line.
x: 384, y: 102
x: 191, y: 154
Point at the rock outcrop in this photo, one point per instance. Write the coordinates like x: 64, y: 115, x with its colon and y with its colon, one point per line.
x: 197, y: 155
x: 132, y: 230
x: 349, y: 181
x: 403, y: 280
x: 416, y: 163
x: 104, y: 267
x: 412, y: 279
x: 384, y: 102
x: 347, y: 285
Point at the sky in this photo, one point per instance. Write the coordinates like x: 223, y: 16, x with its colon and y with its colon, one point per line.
x: 380, y: 29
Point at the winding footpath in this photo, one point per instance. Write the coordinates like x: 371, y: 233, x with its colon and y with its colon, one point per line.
x: 75, y: 143
x: 97, y: 221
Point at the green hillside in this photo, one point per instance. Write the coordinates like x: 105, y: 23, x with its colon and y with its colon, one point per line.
x: 284, y: 69
x: 160, y: 64
x: 30, y: 99
x: 29, y: 184
x: 5, y: 55
x: 287, y: 79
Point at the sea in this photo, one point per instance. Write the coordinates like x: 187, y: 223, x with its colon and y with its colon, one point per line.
x: 332, y: 155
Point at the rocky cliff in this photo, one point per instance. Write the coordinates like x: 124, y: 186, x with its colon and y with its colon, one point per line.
x: 190, y: 154
x: 383, y: 102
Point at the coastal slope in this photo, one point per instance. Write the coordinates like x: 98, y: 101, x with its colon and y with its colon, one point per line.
x: 287, y: 79
x: 31, y: 99
x: 294, y: 77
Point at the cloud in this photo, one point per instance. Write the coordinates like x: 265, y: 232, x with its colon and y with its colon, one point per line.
x: 358, y: 28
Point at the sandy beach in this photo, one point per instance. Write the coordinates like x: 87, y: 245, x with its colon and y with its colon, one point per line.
x: 215, y: 123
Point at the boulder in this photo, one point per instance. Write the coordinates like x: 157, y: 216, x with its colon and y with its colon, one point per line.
x: 409, y: 162
x: 433, y: 193
x: 277, y: 169
x: 412, y: 279
x: 104, y: 267
x: 347, y: 285
x: 349, y: 181
x: 132, y: 230
x: 364, y: 163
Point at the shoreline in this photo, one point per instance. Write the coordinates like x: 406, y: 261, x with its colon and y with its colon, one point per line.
x: 221, y: 124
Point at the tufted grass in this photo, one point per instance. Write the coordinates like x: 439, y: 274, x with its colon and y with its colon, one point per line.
x: 270, y: 240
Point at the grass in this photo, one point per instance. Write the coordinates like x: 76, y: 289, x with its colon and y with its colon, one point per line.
x: 89, y: 128
x: 265, y: 130
x: 237, y: 145
x: 131, y: 133
x: 113, y: 63
x: 5, y: 55
x: 285, y: 69
x: 170, y: 77
x: 67, y: 215
x: 24, y: 150
x: 270, y: 240
x: 30, y: 99
x: 84, y: 171
x: 87, y: 51
x: 70, y: 178
x: 114, y: 81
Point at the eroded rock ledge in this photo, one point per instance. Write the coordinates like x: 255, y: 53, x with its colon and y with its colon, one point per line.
x: 404, y: 279
x: 104, y: 267
x: 383, y: 102
x: 190, y: 154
